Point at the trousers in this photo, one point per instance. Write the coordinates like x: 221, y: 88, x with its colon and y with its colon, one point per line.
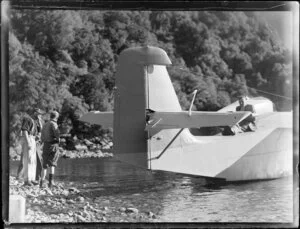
x: 27, y: 167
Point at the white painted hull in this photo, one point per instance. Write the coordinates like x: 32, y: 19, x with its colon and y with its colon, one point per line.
x: 266, y: 153
x: 267, y: 160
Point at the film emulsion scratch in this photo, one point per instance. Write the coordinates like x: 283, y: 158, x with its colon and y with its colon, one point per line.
x: 154, y: 113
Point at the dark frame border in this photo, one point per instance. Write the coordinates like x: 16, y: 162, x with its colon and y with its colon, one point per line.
x: 6, y: 5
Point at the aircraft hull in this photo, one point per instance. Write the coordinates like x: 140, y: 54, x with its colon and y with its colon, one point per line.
x: 264, y: 154
x: 269, y: 159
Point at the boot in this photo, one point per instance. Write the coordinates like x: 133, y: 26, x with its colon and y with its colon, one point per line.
x: 41, y: 183
x: 28, y: 183
x: 50, y: 180
x: 20, y: 172
x: 35, y: 182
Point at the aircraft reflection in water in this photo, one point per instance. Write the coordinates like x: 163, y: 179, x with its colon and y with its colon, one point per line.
x: 151, y: 130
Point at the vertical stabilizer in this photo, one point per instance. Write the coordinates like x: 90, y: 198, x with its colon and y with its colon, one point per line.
x: 131, y: 102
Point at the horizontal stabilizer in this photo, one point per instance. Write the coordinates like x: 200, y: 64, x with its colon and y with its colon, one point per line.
x: 105, y: 119
x: 197, y: 119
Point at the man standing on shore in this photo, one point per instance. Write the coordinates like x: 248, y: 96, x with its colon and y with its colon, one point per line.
x: 39, y: 164
x: 50, y: 138
x: 30, y: 130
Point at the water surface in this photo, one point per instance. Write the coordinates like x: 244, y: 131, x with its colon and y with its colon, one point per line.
x: 176, y: 198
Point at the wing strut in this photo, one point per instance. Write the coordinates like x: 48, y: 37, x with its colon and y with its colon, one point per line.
x: 165, y: 149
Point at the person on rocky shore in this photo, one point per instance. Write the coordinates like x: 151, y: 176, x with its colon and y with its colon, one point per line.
x: 50, y: 139
x: 39, y: 151
x: 30, y: 130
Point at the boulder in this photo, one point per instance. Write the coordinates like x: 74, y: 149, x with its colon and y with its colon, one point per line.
x: 132, y: 210
x: 87, y: 142
x: 122, y: 209
x: 99, y: 153
x: 81, y: 147
x: 106, y: 147
x: 93, y: 147
x: 151, y: 215
x: 80, y: 199
x: 65, y: 192
x: 97, y: 140
x: 79, y: 218
x: 70, y: 201
x: 73, y: 189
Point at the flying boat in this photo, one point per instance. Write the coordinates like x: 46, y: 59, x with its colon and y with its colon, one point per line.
x: 150, y: 129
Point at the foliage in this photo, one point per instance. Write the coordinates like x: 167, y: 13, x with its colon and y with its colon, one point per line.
x: 65, y: 60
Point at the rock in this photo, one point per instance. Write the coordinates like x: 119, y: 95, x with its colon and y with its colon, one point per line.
x: 99, y: 153
x: 80, y: 199
x: 79, y: 218
x: 48, y: 191
x: 92, y: 147
x: 86, y: 214
x: 151, y: 215
x: 106, y: 147
x: 97, y: 140
x: 105, y: 208
x: 80, y: 147
x: 65, y: 192
x: 75, y: 190
x: 93, y: 209
x: 131, y: 210
x: 31, y: 195
x: 87, y: 142
x: 66, y: 156
x: 108, y: 155
x: 70, y: 202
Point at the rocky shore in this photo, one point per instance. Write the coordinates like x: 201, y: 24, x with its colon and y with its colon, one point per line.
x: 65, y: 203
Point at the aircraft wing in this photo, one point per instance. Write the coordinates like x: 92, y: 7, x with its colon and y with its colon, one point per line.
x: 182, y: 119
x: 105, y: 119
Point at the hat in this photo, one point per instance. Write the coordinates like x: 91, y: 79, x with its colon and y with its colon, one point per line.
x: 54, y: 115
x: 38, y: 111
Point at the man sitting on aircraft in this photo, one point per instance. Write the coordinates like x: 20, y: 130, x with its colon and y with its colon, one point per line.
x: 248, y: 124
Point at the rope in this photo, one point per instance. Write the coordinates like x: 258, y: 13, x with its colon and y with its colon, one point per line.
x: 285, y: 97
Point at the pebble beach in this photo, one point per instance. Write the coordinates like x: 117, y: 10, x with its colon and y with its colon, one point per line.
x: 64, y: 203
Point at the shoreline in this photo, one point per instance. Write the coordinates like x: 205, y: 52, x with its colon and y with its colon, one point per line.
x: 67, y: 203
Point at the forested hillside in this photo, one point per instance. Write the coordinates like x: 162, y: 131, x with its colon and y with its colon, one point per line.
x: 66, y: 60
